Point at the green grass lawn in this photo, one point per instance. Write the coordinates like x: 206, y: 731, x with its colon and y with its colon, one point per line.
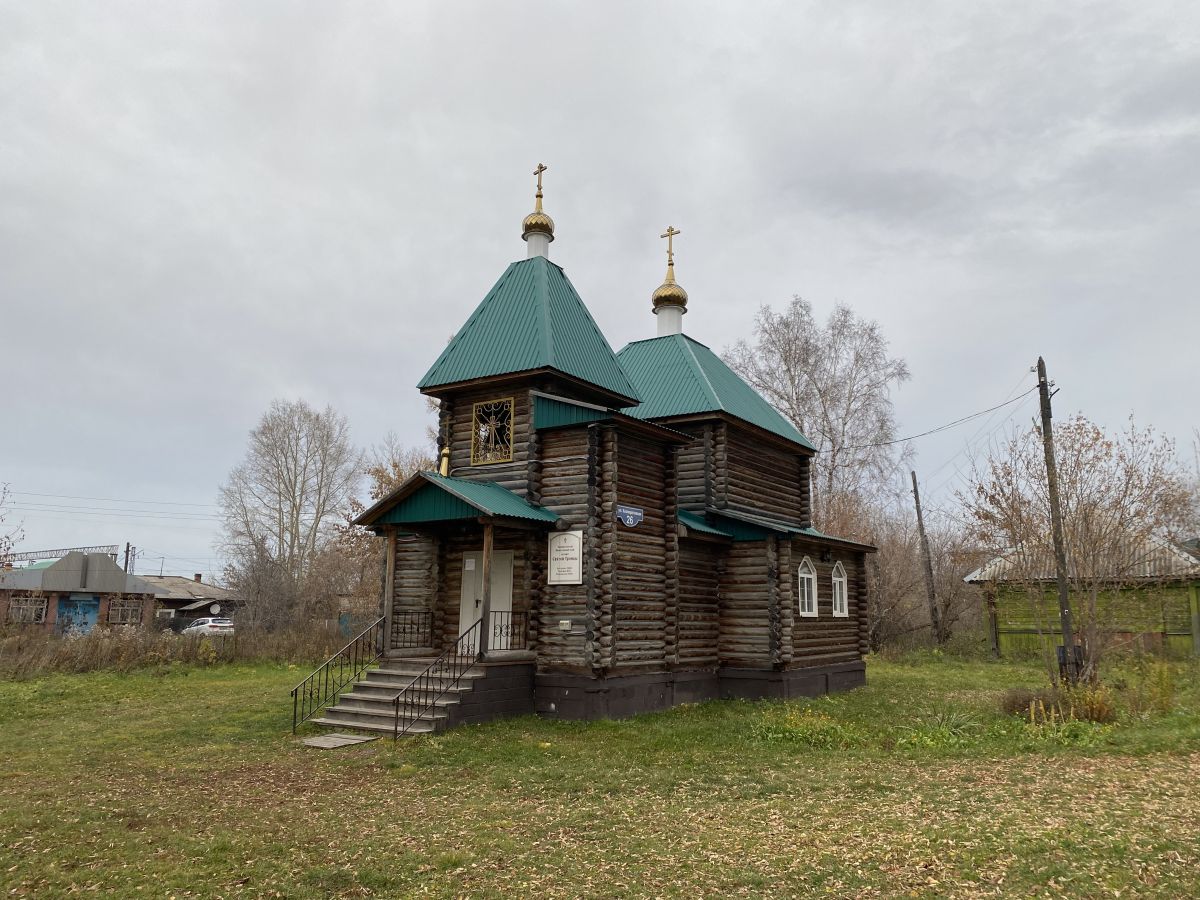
x: 188, y: 783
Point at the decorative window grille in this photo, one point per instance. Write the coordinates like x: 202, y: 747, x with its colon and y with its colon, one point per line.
x: 27, y: 610
x: 124, y: 611
x: 807, y: 582
x: 491, y: 437
x: 840, y: 606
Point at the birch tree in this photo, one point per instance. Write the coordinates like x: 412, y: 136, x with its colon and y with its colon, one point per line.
x: 834, y: 382
x: 298, y: 477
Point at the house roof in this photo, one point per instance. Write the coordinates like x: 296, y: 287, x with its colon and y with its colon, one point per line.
x: 180, y: 588
x: 75, y: 572
x: 430, y: 497
x: 532, y: 319
x: 1152, y: 559
x: 677, y: 376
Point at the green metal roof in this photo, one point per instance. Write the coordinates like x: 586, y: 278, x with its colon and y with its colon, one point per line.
x: 697, y: 523
x: 677, y: 376
x: 551, y: 413
x: 531, y: 319
x: 429, y: 497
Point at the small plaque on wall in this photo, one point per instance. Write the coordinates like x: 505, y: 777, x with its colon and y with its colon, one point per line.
x: 564, y: 557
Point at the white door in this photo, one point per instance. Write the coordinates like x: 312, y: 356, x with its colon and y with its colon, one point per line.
x: 471, y: 600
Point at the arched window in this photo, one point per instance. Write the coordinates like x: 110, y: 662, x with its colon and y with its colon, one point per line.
x: 840, y: 606
x: 807, y: 584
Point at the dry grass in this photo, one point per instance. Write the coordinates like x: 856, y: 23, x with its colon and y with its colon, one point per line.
x: 187, y: 784
x: 28, y: 652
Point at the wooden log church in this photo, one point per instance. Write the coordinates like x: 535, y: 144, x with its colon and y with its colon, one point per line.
x: 607, y: 533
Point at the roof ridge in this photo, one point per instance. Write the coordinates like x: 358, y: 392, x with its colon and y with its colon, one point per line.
x: 712, y: 391
x: 546, y: 322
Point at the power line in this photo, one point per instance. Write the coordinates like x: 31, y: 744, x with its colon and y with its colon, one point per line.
x: 118, y: 511
x: 948, y: 425
x: 113, y: 499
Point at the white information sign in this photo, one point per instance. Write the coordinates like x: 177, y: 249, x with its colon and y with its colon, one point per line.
x: 565, y: 558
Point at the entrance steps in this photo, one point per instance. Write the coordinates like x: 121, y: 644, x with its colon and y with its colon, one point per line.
x: 488, y: 690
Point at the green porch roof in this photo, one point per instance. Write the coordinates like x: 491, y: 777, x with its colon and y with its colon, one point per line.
x: 429, y: 497
x: 531, y: 319
x: 694, y: 522
x: 677, y: 376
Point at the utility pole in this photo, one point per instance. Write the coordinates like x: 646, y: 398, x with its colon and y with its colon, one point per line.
x: 1060, y: 548
x: 127, y: 557
x: 935, y: 616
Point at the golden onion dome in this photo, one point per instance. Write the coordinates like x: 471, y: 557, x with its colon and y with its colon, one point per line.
x: 669, y: 293
x: 537, y: 222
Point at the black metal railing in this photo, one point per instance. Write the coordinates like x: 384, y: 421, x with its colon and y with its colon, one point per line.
x: 441, y: 676
x: 328, y: 680
x: 412, y: 629
x: 510, y: 631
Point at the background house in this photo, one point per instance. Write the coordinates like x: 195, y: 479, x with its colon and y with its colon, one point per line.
x: 1147, y: 596
x: 78, y: 591
x: 185, y: 599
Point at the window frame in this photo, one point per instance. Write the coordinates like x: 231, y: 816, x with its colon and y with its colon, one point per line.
x: 808, y: 577
x: 124, y: 606
x: 476, y: 458
x: 28, y: 603
x: 838, y: 580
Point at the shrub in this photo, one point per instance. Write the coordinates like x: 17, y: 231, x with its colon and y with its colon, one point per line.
x: 807, y: 727
x: 1091, y: 703
x: 946, y: 729
x: 1017, y: 701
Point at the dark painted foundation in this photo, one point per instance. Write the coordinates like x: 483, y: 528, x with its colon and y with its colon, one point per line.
x: 563, y: 696
x: 505, y: 690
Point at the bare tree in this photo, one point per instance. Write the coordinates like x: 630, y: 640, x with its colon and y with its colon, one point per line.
x: 281, y: 504
x: 386, y: 465
x: 1121, y: 494
x: 9, y: 535
x: 833, y: 381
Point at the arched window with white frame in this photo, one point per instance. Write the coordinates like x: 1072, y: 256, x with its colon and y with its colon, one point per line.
x: 806, y: 582
x: 841, y: 607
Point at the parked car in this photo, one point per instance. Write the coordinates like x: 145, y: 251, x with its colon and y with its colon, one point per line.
x: 209, y: 626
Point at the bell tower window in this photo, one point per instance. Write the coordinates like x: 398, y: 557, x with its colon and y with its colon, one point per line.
x: 491, y: 436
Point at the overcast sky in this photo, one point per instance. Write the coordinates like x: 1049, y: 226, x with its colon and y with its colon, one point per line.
x: 205, y: 206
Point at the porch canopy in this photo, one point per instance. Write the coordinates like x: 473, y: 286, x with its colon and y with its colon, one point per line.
x: 428, y: 498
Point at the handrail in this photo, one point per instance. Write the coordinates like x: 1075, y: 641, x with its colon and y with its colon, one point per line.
x: 449, y: 668
x: 325, y: 683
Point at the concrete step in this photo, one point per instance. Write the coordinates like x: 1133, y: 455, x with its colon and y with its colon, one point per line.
x: 388, y: 692
x: 382, y: 716
x: 332, y: 720
x: 403, y: 679
x: 354, y: 701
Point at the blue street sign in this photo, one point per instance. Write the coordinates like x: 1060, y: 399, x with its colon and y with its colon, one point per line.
x: 630, y: 515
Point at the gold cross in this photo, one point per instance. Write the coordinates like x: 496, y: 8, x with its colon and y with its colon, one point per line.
x: 669, y: 234
x: 538, y: 172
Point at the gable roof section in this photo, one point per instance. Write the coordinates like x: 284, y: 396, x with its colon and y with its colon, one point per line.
x: 1152, y: 559
x: 677, y: 376
x: 429, y: 497
x: 531, y: 319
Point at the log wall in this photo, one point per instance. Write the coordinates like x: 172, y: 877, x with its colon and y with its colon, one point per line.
x: 745, y: 626
x: 699, y: 604
x: 566, y: 481
x: 416, y: 577
x: 640, y: 596
x: 457, y: 422
x: 763, y: 478
x: 824, y: 640
x: 695, y: 467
